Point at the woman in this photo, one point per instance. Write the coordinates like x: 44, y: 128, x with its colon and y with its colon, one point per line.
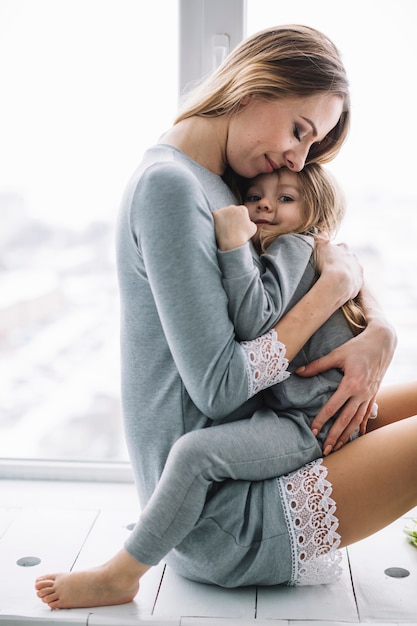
x: 182, y: 368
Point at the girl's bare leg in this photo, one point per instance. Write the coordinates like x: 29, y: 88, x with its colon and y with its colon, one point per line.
x: 374, y: 479
x: 115, y: 582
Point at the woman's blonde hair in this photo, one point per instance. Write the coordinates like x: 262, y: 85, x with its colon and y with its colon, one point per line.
x: 277, y: 63
x: 324, y: 207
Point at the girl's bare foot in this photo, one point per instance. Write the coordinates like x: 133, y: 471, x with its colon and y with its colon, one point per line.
x: 116, y: 582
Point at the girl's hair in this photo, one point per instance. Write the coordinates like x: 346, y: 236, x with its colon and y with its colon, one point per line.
x: 277, y: 63
x: 324, y: 208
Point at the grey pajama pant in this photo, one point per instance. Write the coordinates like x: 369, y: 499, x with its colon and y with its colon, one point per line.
x: 261, y: 447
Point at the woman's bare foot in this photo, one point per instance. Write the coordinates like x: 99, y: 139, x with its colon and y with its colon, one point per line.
x: 116, y: 582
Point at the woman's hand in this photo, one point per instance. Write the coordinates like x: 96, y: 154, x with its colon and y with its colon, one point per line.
x: 338, y: 264
x: 364, y: 361
x: 233, y: 227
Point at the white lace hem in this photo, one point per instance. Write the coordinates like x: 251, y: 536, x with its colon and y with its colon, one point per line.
x: 266, y: 364
x: 312, y: 526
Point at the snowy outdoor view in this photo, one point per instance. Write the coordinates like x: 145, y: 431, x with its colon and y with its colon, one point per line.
x: 87, y: 86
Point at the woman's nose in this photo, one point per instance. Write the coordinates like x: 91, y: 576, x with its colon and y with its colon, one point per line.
x: 295, y: 159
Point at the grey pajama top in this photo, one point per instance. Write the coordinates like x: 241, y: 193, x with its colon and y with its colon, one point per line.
x: 182, y: 365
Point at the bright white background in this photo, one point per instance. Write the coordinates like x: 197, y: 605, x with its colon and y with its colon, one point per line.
x: 86, y: 86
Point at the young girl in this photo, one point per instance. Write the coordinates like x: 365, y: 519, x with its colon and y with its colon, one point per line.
x: 310, y: 205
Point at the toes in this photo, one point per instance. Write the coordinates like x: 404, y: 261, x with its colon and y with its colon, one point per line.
x: 45, y: 594
x: 54, y: 604
x: 49, y: 599
x: 45, y: 577
x: 46, y: 591
x: 44, y: 585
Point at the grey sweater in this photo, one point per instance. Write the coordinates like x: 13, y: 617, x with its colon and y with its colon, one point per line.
x: 183, y: 367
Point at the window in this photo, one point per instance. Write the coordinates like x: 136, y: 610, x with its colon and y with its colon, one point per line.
x: 88, y: 85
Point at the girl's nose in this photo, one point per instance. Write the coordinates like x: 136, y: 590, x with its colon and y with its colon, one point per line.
x: 263, y: 205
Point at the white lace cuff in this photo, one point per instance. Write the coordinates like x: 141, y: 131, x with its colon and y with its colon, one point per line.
x: 266, y: 364
x: 312, y: 525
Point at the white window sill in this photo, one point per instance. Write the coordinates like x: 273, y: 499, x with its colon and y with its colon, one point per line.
x: 27, y: 469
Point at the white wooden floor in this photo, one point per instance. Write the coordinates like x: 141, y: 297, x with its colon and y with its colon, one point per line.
x: 77, y: 525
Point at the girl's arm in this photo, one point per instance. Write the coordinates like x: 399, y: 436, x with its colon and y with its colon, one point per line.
x: 258, y: 299
x: 260, y: 290
x: 363, y: 360
x: 340, y: 278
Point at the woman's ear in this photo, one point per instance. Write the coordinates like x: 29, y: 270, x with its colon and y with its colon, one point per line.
x: 245, y: 100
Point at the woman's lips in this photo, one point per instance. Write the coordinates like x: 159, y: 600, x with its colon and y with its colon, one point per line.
x: 272, y: 165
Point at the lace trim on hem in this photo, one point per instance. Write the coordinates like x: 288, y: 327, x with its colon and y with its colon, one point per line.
x: 266, y: 364
x: 312, y: 526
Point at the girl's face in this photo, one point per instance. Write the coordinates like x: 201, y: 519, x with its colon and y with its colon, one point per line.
x: 264, y: 136
x: 274, y: 202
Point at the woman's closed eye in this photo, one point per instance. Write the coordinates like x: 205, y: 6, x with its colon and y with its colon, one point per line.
x: 297, y: 132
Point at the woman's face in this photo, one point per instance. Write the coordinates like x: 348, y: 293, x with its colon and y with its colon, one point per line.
x: 265, y: 136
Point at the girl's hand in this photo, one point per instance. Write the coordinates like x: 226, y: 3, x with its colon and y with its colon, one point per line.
x: 233, y: 227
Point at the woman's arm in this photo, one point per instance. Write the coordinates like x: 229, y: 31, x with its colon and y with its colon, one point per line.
x: 364, y: 361
x: 340, y: 279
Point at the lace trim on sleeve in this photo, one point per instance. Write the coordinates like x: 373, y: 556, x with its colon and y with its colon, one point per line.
x: 266, y: 364
x: 312, y: 525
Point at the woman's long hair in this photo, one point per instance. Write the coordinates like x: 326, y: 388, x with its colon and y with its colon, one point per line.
x: 277, y: 63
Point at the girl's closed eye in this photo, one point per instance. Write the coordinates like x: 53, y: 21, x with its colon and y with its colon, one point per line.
x: 297, y: 132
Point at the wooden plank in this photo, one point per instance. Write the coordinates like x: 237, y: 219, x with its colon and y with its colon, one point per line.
x: 381, y: 597
x: 224, y: 621
x: 6, y: 518
x: 179, y: 597
x: 115, y: 620
x: 55, y: 618
x: 107, y: 536
x: 115, y: 616
x: 54, y: 537
x: 343, y: 623
x: 318, y: 602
